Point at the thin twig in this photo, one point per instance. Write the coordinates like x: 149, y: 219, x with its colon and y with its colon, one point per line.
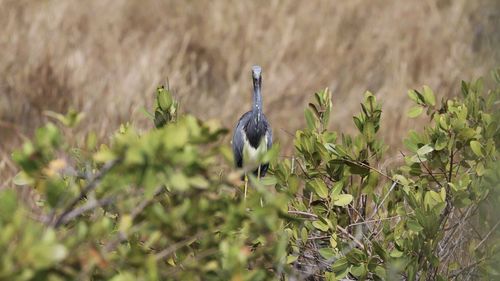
x: 176, y: 246
x: 303, y: 214
x: 14, y: 128
x: 383, y: 200
x: 451, y: 164
x: 340, y: 228
x: 89, y: 187
x: 371, y: 168
x: 343, y: 230
x: 121, y: 236
x: 468, y: 267
x: 370, y: 221
x: 429, y: 171
x: 487, y: 235
x: 87, y: 207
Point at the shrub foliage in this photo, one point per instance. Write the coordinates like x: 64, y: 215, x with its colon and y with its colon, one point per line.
x: 158, y: 204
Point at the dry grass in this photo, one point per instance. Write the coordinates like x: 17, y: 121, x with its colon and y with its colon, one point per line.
x: 106, y: 57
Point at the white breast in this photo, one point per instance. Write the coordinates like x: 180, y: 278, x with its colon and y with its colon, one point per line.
x: 250, y: 153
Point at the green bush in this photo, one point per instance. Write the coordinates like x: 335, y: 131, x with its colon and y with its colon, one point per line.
x: 157, y: 205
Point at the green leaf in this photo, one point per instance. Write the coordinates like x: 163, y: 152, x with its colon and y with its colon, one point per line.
x: 304, y: 235
x: 465, y: 88
x: 480, y: 170
x: 55, y: 191
x: 380, y: 272
x: 329, y: 276
x: 321, y: 226
x: 396, y: 253
x: 22, y: 178
x: 177, y: 136
x: 125, y: 276
x: 441, y: 142
x: 357, y: 168
x: 413, y: 95
x: 336, y: 189
x: 314, y: 109
x: 358, y: 123
x: 290, y: 259
x: 426, y: 149
x: 311, y: 122
x: 179, y: 181
x: 429, y: 96
x: 164, y: 99
x: 8, y: 204
x: 340, y: 267
x: 104, y: 155
x: 327, y: 253
x: 268, y: 180
x: 342, y: 200
x: 319, y: 187
x: 476, y: 148
x: 369, y: 131
x: 359, y: 270
x: 356, y: 256
x: 58, y: 252
x: 148, y: 114
x: 415, y: 111
x: 401, y: 179
x: 198, y: 182
x: 413, y: 225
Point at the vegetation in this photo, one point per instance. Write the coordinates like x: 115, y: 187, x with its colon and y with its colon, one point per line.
x: 156, y: 205
x: 103, y: 57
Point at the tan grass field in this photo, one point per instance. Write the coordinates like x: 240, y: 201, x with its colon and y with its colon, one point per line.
x: 105, y: 58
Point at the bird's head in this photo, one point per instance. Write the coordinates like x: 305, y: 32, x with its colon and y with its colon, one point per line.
x: 257, y: 75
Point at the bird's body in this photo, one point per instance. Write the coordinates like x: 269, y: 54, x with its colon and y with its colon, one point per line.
x: 253, y: 135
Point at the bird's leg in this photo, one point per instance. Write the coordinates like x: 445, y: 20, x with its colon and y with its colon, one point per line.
x: 258, y: 176
x: 246, y: 187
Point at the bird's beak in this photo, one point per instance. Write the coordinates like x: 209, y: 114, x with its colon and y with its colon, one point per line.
x: 256, y: 72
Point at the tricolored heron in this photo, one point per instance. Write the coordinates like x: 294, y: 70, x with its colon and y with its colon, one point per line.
x: 253, y: 135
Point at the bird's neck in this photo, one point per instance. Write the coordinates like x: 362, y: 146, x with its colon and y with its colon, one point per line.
x: 257, y: 100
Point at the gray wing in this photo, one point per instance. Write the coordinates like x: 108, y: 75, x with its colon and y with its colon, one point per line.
x: 238, y: 139
x: 269, y: 134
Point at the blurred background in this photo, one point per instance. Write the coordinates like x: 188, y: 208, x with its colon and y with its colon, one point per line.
x: 106, y: 57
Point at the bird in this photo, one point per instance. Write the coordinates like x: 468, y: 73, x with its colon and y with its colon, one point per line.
x: 253, y: 134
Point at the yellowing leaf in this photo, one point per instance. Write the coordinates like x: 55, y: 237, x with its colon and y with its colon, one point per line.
x: 125, y: 223
x: 58, y: 252
x: 23, y: 179
x: 442, y: 194
x: 290, y: 259
x: 171, y: 261
x: 396, y: 253
x: 343, y: 200
x: 54, y: 167
x: 104, y: 155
